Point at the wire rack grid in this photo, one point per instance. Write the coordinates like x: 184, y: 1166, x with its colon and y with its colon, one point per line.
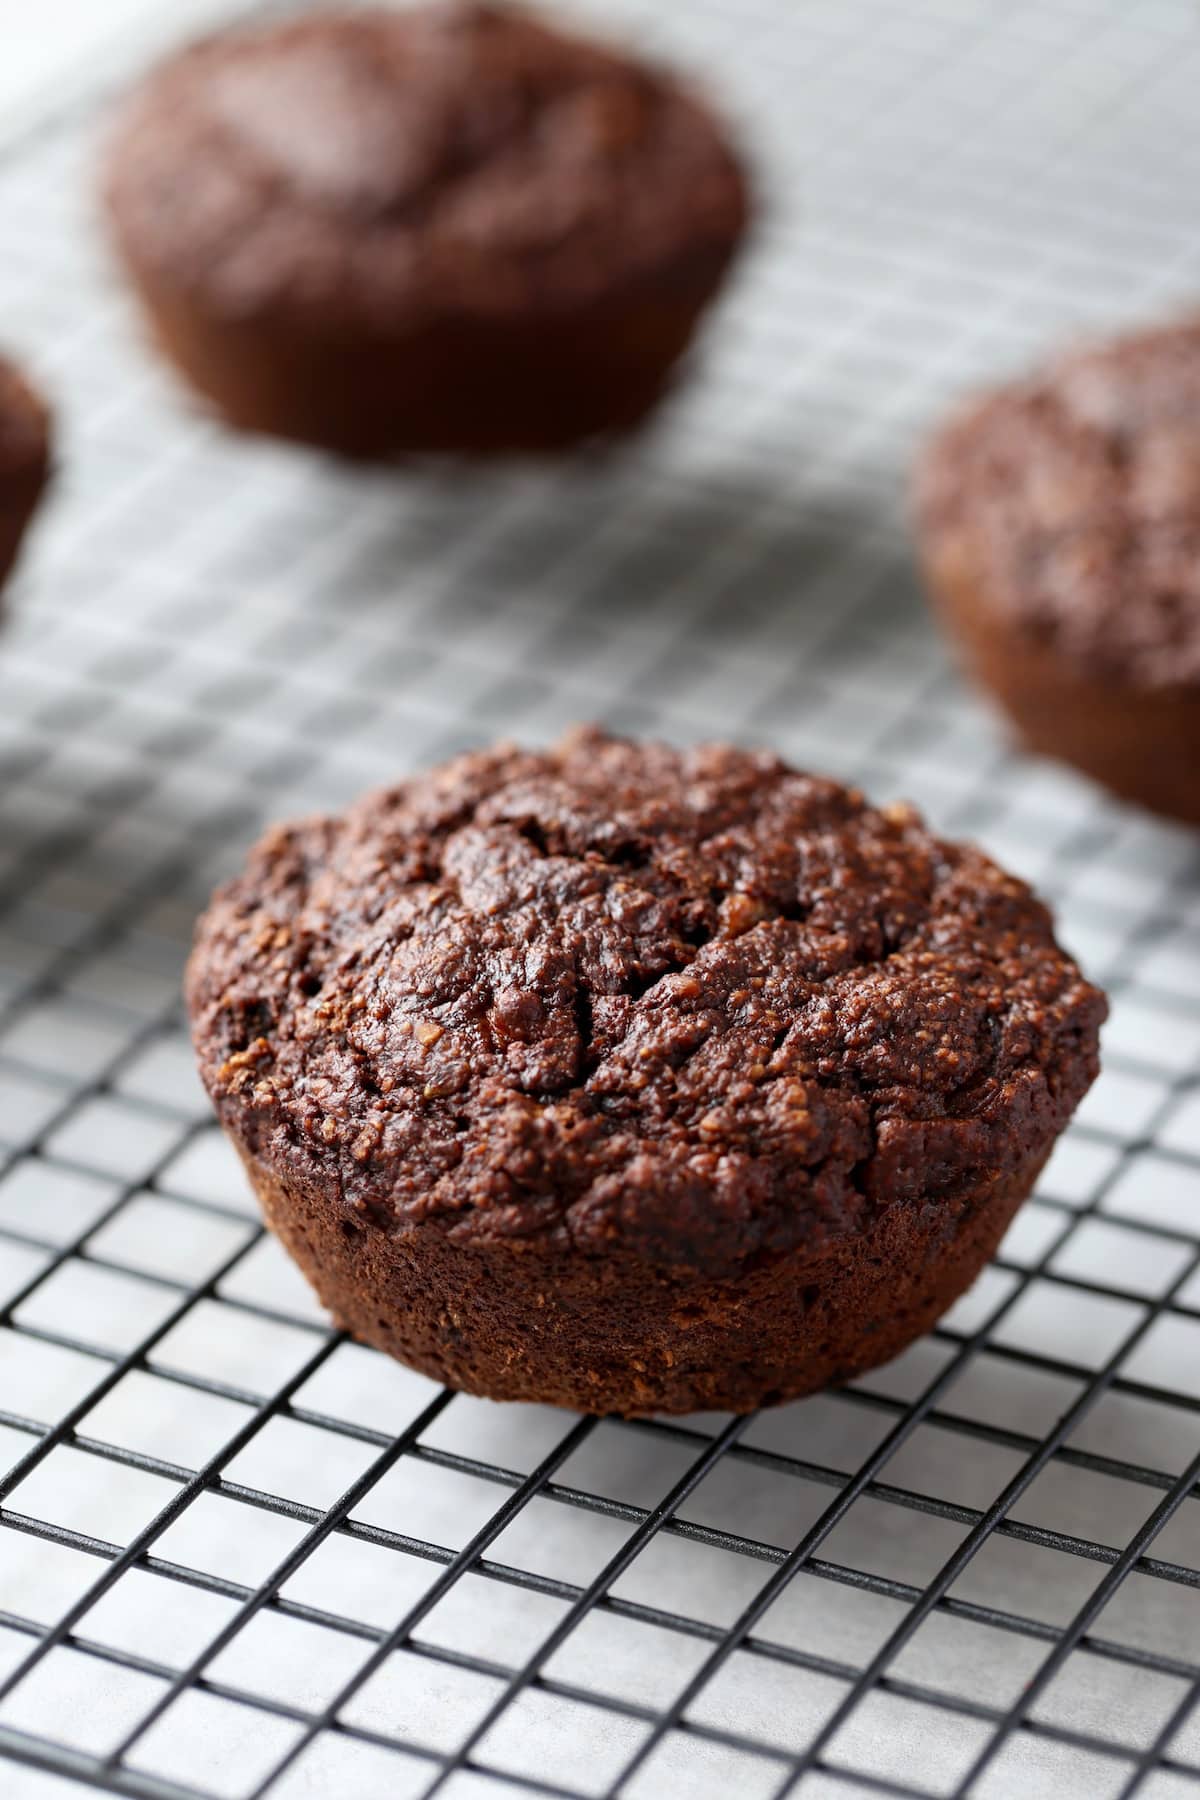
x: 241, y: 1556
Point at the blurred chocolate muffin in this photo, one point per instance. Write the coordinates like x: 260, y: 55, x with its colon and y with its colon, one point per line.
x: 635, y: 1079
x: 445, y: 229
x: 1060, y: 531
x: 24, y: 459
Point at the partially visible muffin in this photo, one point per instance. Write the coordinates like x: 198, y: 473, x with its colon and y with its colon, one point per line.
x: 451, y: 228
x: 635, y: 1079
x: 24, y: 459
x: 1060, y: 531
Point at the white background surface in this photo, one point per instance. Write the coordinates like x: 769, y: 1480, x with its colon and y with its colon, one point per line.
x: 51, y: 48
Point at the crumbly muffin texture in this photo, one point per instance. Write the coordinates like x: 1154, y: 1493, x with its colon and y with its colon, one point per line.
x: 464, y: 159
x: 1073, y: 500
x: 692, y: 1005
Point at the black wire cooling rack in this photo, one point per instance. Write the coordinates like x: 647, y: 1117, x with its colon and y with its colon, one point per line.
x: 241, y: 1556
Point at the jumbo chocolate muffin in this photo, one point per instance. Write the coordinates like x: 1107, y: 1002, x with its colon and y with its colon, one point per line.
x: 636, y: 1079
x: 24, y: 459
x: 448, y: 229
x: 1060, y: 526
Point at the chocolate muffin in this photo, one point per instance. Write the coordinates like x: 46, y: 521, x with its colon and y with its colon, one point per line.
x: 443, y: 229
x: 24, y: 459
x: 1060, y: 531
x: 634, y: 1079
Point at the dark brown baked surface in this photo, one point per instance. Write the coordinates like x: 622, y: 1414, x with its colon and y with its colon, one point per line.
x: 606, y: 1331
x: 691, y: 1010
x: 390, y: 164
x: 24, y: 459
x: 1060, y: 533
x: 408, y: 204
x: 1074, y: 500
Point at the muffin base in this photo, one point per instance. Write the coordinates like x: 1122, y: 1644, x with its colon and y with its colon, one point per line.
x: 609, y: 1333
x: 1142, y: 744
x: 470, y: 386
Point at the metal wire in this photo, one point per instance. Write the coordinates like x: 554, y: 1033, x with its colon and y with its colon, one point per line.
x: 239, y: 1556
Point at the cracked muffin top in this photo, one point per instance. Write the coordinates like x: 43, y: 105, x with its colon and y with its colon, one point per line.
x: 382, y: 166
x: 1073, y: 501
x: 688, y: 1000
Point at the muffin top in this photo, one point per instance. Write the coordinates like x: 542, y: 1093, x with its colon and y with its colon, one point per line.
x: 24, y: 428
x: 691, y: 1002
x: 387, y: 166
x: 1073, y: 501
